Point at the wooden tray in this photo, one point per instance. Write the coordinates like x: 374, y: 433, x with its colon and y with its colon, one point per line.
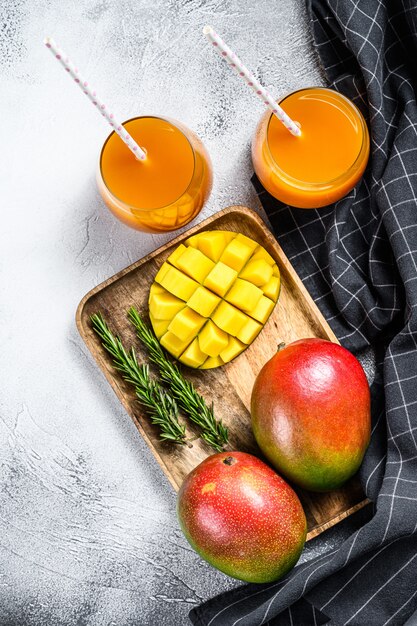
x: 295, y: 316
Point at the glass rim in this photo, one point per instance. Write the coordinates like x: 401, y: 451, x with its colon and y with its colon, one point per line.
x: 346, y: 174
x: 147, y: 209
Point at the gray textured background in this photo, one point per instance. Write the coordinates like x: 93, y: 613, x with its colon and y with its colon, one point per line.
x: 88, y: 531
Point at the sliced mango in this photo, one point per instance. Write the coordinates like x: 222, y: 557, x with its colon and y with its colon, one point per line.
x: 249, y: 331
x: 212, y: 296
x: 244, y: 295
x: 228, y: 318
x: 176, y: 254
x: 160, y: 326
x: 186, y: 324
x: 262, y: 310
x: 247, y: 241
x: 220, y: 279
x: 236, y: 254
x: 212, y: 340
x: 203, y: 301
x: 193, y: 263
x: 212, y: 243
x: 212, y: 361
x: 258, y: 272
x: 272, y: 287
x: 193, y: 356
x: 155, y: 288
x: 261, y: 253
x: 173, y: 344
x: 177, y: 283
x: 163, y: 271
x: 164, y: 306
x: 233, y: 348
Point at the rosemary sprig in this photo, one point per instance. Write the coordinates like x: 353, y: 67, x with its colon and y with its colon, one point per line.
x: 189, y: 400
x: 159, y: 404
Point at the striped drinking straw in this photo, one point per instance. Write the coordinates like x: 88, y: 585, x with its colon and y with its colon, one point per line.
x: 60, y: 55
x: 236, y: 64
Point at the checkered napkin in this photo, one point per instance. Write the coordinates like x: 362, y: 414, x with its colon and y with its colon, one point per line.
x: 358, y: 258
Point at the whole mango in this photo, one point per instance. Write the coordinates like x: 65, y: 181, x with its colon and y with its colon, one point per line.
x: 241, y: 517
x: 310, y: 411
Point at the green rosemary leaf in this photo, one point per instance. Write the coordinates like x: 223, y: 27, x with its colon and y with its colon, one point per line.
x: 189, y: 400
x: 160, y: 406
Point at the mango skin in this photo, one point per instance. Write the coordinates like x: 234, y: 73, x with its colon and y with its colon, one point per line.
x: 311, y: 413
x: 241, y: 517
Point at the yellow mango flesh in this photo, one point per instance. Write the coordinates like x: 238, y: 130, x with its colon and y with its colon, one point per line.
x: 272, y: 287
x: 193, y: 356
x: 193, y: 263
x: 203, y: 301
x: 212, y: 340
x: 212, y: 296
x: 164, y: 306
x: 258, y: 272
x: 244, y: 295
x: 186, y: 324
x: 220, y: 279
x: 228, y: 318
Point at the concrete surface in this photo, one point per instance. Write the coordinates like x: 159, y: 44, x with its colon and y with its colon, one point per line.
x: 88, y: 531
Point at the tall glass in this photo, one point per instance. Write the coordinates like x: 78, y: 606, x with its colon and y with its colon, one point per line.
x: 325, y: 162
x: 168, y: 189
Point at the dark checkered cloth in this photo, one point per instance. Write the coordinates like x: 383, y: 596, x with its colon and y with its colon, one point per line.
x: 358, y: 258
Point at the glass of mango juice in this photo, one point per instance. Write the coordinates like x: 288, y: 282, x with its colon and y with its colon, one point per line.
x: 164, y: 191
x: 321, y: 165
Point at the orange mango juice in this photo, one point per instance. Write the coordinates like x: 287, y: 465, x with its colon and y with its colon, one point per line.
x: 325, y: 162
x: 166, y: 190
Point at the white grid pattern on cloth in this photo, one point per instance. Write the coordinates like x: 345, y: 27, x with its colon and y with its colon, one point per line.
x: 358, y: 258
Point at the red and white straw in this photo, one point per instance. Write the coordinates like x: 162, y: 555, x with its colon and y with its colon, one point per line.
x: 60, y: 55
x: 236, y: 64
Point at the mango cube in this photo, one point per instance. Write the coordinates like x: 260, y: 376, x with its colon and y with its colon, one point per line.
x: 212, y: 361
x: 194, y: 263
x: 233, y: 348
x: 155, y: 288
x: 212, y: 340
x: 192, y: 356
x: 244, y: 295
x: 193, y: 241
x: 159, y: 326
x: 236, y: 254
x: 249, y: 331
x: 247, y: 241
x: 262, y: 310
x: 272, y: 287
x: 164, y: 306
x: 275, y: 270
x: 176, y: 254
x: 228, y: 318
x: 163, y: 271
x: 203, y: 301
x: 186, y: 324
x: 261, y: 253
x: 173, y: 344
x: 258, y: 272
x: 177, y: 283
x: 220, y: 279
x: 212, y: 244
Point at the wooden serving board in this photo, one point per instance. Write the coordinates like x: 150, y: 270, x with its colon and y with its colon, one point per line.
x: 295, y: 317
